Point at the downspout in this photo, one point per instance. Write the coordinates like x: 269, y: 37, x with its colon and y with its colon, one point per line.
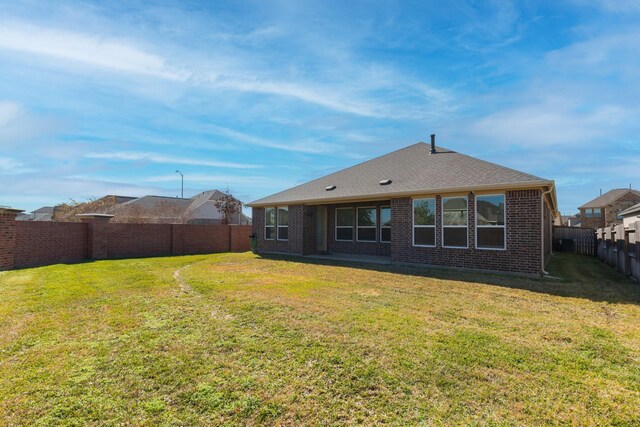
x: 544, y: 193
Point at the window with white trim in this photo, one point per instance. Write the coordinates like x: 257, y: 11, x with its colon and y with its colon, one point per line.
x: 385, y: 224
x: 367, y: 224
x: 490, y: 222
x: 283, y: 223
x: 270, y: 223
x: 455, y: 222
x: 344, y: 224
x: 424, y: 222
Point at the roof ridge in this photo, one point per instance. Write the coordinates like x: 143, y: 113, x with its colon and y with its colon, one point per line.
x: 346, y: 169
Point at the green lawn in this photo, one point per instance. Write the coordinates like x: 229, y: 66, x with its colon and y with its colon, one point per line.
x: 249, y: 341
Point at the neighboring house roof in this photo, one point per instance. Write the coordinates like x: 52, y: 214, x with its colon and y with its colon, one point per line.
x: 168, y: 207
x: 202, y: 198
x: 121, y: 199
x: 412, y: 170
x: 630, y: 211
x: 608, y: 198
x: 155, y: 204
x: 44, y: 210
x: 244, y: 219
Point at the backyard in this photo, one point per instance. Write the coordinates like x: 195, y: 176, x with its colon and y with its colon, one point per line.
x: 238, y: 339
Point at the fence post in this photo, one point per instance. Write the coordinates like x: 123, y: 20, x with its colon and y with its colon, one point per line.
x: 97, y: 234
x: 8, y: 237
x: 621, y: 248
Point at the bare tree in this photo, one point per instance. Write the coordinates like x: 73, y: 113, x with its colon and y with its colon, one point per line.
x: 228, y: 206
x: 66, y: 212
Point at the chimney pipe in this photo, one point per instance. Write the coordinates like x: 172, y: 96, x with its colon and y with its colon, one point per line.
x: 433, y: 143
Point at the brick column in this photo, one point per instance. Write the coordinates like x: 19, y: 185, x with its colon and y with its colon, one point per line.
x: 97, y: 234
x: 7, y: 237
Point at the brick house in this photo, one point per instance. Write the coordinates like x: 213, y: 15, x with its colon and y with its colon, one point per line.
x: 421, y: 204
x: 605, y: 209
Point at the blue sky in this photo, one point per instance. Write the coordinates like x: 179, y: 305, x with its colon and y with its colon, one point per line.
x: 112, y: 97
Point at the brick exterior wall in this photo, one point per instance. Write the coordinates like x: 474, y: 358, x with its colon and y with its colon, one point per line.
x: 354, y: 247
x: 35, y: 243
x: 523, y: 252
x: 44, y: 243
x: 591, y: 222
x: 300, y: 217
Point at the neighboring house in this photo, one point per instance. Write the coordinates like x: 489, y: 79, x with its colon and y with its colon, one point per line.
x: 420, y: 204
x: 630, y: 215
x: 199, y: 209
x: 571, y: 220
x: 202, y: 210
x: 605, y: 209
x: 42, y: 214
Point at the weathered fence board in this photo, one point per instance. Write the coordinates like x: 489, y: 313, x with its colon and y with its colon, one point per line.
x: 573, y: 239
x: 619, y: 247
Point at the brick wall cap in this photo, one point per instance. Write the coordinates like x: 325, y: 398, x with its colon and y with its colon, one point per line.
x: 96, y: 216
x: 7, y: 210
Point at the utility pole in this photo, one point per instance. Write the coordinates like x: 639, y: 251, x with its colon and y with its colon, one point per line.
x: 181, y: 184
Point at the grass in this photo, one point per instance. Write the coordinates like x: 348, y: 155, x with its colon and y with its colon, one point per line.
x: 256, y: 341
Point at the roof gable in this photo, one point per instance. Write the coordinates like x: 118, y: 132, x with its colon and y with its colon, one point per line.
x: 633, y: 209
x: 412, y: 170
x: 608, y: 198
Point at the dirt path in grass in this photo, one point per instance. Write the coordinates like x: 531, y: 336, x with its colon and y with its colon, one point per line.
x: 184, y: 286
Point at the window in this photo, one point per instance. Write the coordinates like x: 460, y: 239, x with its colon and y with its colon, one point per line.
x: 454, y: 222
x: 424, y: 222
x: 367, y: 224
x: 283, y: 223
x: 385, y: 224
x: 270, y: 223
x: 593, y: 213
x: 344, y: 224
x: 490, y: 225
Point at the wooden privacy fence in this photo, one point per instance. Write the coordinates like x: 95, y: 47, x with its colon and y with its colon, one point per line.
x: 620, y: 248
x: 573, y: 239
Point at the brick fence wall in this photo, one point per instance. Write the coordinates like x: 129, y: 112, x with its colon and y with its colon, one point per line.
x: 43, y: 243
x: 34, y: 243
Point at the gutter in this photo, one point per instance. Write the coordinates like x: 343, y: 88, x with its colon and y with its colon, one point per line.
x: 379, y: 196
x: 542, y: 227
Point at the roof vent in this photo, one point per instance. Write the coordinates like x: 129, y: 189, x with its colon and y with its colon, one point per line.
x: 433, y: 143
x: 385, y: 182
x: 330, y: 187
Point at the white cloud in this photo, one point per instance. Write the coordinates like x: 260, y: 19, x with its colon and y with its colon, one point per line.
x: 159, y: 158
x: 9, y: 166
x: 9, y: 111
x: 102, y: 52
x: 236, y: 71
x: 20, y: 126
x: 315, y: 147
x: 227, y: 180
x: 549, y: 124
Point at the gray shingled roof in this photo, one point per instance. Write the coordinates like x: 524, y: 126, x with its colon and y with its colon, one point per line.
x: 412, y: 170
x: 608, y: 198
